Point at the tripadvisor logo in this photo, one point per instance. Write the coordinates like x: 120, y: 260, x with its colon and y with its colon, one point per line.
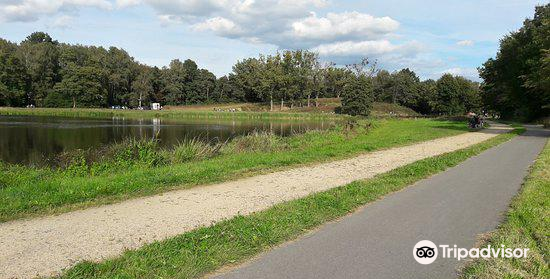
x: 426, y: 252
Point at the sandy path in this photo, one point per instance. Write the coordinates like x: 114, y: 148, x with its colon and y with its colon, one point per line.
x: 44, y: 246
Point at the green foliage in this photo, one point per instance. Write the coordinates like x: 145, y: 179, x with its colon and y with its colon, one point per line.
x: 40, y: 54
x: 517, y: 80
x: 449, y: 98
x: 449, y: 95
x: 357, y: 96
x: 82, y: 86
x: 143, y: 151
x: 13, y: 77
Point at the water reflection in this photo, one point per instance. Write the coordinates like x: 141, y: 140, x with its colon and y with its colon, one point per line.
x: 28, y: 139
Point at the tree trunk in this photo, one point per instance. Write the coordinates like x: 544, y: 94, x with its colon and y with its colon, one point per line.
x: 74, y: 102
x: 271, y: 102
x: 282, y: 103
x: 308, y: 97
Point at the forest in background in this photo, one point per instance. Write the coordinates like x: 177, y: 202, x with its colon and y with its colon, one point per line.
x: 45, y: 73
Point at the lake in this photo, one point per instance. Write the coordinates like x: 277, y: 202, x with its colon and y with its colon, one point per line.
x: 30, y: 139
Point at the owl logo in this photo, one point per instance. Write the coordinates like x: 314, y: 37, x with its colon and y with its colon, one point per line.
x: 425, y: 252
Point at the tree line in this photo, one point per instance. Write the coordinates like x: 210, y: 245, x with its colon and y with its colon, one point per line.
x: 517, y: 81
x: 42, y: 72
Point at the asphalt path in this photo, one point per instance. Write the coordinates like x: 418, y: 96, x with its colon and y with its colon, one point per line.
x: 453, y: 207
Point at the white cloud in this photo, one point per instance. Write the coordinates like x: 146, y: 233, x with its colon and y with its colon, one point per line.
x: 470, y: 73
x: 343, y: 26
x: 376, y: 49
x: 465, y: 43
x: 349, y: 48
x: 219, y: 25
x: 63, y: 22
x: 183, y: 8
x: 31, y: 10
x: 127, y: 3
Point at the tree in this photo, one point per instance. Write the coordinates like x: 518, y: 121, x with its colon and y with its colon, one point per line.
x: 174, y: 78
x: 80, y: 87
x: 335, y: 80
x: 516, y: 80
x: 470, y: 93
x: 404, y: 88
x: 448, y: 99
x: 225, y: 91
x: 40, y: 56
x: 247, y: 77
x: 205, y: 86
x: 143, y: 88
x: 382, y: 87
x: 357, y: 96
x: 271, y: 78
x: 13, y: 76
x: 427, y: 93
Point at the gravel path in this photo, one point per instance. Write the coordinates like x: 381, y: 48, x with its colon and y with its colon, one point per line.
x: 44, y: 246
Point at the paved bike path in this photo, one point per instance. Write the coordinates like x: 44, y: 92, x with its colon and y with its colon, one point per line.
x: 452, y: 207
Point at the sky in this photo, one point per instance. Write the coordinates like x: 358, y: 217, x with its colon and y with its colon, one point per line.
x: 430, y: 37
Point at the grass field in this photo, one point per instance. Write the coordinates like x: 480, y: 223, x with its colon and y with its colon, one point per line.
x: 527, y: 226
x: 204, y: 250
x: 26, y: 191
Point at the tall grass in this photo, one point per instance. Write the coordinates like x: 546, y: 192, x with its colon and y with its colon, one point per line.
x: 194, y: 149
x: 257, y: 141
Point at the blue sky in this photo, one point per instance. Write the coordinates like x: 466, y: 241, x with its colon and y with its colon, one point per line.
x: 431, y: 37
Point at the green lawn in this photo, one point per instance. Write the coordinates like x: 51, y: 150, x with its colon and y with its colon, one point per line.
x: 37, y: 191
x: 527, y: 226
x: 204, y: 250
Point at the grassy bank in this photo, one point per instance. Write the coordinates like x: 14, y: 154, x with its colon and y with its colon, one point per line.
x: 204, y: 250
x: 179, y: 113
x: 242, y: 111
x: 527, y: 226
x: 28, y: 191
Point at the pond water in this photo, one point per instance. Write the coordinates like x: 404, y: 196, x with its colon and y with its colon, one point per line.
x: 30, y: 139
